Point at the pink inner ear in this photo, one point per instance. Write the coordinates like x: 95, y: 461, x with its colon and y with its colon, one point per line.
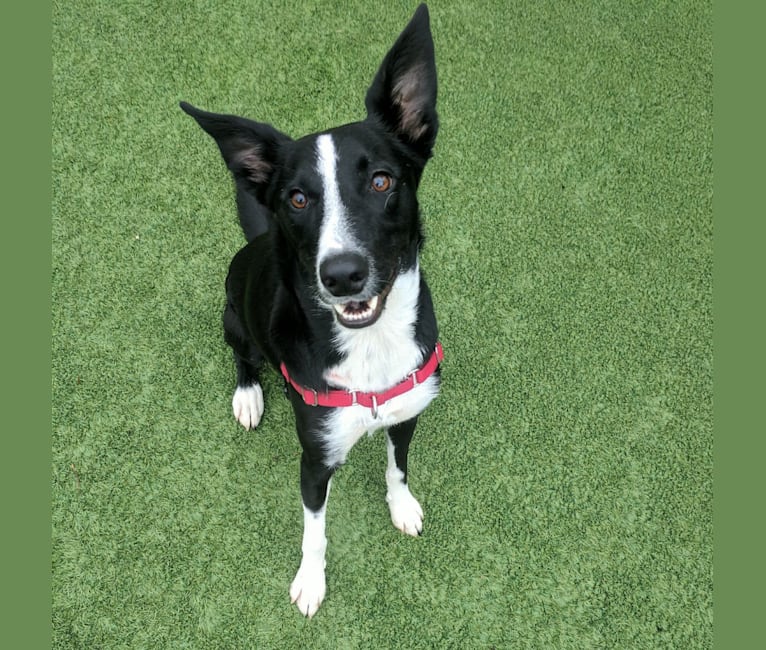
x: 408, y: 94
x: 256, y: 166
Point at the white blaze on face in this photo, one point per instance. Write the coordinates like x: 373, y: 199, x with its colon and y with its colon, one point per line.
x: 334, y: 235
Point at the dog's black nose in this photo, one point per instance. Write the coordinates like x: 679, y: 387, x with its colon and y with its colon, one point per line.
x: 344, y: 274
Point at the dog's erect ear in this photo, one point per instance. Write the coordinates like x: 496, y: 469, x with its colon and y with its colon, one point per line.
x: 249, y: 148
x: 403, y: 94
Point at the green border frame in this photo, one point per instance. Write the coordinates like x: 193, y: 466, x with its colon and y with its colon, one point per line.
x: 739, y: 325
x: 25, y: 269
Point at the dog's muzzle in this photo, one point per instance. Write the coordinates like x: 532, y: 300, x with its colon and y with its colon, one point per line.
x: 348, y: 275
x: 344, y: 274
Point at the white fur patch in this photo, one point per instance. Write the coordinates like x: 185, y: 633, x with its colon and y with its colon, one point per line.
x: 406, y: 513
x: 308, y: 588
x: 334, y: 235
x: 378, y: 357
x: 247, y: 405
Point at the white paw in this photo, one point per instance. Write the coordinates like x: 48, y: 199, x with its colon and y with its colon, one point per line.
x: 406, y: 512
x: 247, y: 405
x: 308, y: 588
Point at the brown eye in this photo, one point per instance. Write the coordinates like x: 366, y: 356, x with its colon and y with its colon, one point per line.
x: 298, y: 200
x: 381, y: 182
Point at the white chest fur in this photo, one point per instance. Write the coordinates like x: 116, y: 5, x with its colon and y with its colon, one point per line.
x: 377, y: 358
x: 346, y: 425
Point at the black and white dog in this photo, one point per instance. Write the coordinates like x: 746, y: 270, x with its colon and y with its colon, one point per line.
x: 329, y: 288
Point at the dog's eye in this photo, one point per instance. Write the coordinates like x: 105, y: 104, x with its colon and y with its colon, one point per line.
x: 298, y: 199
x: 381, y: 182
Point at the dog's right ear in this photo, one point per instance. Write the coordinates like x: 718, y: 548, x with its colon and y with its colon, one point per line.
x: 403, y: 93
x: 248, y: 148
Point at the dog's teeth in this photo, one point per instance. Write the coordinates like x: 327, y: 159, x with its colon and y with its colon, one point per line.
x: 352, y: 311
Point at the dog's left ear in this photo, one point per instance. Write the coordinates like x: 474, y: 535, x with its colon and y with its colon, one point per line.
x: 248, y: 148
x: 403, y: 93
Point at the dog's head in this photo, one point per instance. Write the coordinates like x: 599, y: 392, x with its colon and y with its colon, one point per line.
x: 344, y: 200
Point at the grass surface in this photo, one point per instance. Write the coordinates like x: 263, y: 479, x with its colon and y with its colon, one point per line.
x: 566, y: 468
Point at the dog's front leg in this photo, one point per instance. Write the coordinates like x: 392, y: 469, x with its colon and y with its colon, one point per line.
x: 308, y: 587
x: 406, y: 513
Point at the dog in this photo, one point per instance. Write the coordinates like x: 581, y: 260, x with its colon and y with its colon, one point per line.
x: 329, y: 289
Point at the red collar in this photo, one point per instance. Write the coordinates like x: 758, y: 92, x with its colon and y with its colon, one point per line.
x: 370, y: 400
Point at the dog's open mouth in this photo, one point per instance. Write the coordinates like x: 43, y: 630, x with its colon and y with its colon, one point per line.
x: 363, y: 313
x: 359, y: 313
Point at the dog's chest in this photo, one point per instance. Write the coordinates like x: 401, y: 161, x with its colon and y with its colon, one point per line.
x: 344, y: 426
x: 375, y: 359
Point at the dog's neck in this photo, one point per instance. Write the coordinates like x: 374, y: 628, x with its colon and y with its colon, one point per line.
x: 376, y: 357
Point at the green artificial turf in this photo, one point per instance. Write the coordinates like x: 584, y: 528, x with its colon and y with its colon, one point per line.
x: 566, y: 468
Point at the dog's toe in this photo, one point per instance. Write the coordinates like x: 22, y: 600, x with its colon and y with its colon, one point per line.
x: 406, y: 513
x: 308, y: 589
x: 247, y: 405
